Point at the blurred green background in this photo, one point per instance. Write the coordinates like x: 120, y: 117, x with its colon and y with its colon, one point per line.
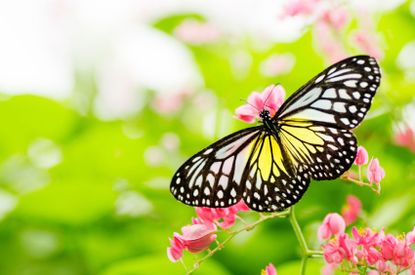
x: 102, y: 102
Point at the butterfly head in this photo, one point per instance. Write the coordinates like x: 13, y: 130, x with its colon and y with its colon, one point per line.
x: 265, y: 115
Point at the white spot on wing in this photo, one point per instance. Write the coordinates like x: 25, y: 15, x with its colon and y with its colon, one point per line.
x: 315, y: 115
x: 320, y: 78
x: 344, y: 77
x: 306, y: 99
x: 330, y: 93
x: 322, y: 104
x: 350, y: 83
x: 339, y: 107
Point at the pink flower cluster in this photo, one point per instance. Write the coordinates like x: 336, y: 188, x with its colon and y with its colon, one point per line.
x: 270, y: 99
x: 375, y: 173
x: 365, y: 249
x: 223, y: 217
x: 198, y: 236
x: 329, y: 19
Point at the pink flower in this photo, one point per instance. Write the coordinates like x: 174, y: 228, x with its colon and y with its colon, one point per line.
x: 339, y: 249
x: 194, y: 32
x: 195, y: 238
x: 269, y: 270
x: 410, y: 236
x: 335, y: 17
x: 175, y: 251
x: 333, y: 224
x: 270, y: 99
x: 397, y: 251
x: 406, y: 138
x: 367, y: 240
x: 225, y: 216
x: 366, y: 44
x: 362, y: 156
x: 352, y: 209
x: 198, y: 237
x: 328, y: 269
x: 375, y: 173
x: 298, y: 7
x: 366, y: 237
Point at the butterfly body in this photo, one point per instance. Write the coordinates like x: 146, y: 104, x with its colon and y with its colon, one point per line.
x: 270, y: 166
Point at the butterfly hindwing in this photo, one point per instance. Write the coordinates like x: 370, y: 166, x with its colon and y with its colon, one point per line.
x: 212, y: 177
x: 269, y: 183
x: 325, y: 151
x: 339, y: 96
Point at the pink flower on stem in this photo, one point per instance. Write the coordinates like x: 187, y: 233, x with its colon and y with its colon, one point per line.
x: 195, y: 238
x: 397, y: 251
x: 333, y: 224
x: 367, y: 241
x: 224, y: 216
x: 375, y: 173
x: 270, y: 99
x: 175, y: 251
x: 406, y: 138
x: 352, y: 209
x: 362, y: 156
x: 366, y: 237
x: 269, y: 270
x: 339, y: 249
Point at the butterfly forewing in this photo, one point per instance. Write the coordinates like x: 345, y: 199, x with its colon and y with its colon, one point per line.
x: 340, y: 96
x: 212, y: 177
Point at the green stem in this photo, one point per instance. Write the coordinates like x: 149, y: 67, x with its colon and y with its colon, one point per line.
x: 298, y: 232
x: 305, y: 252
x: 303, y: 265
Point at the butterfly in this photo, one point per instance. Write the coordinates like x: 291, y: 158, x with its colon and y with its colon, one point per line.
x: 270, y: 166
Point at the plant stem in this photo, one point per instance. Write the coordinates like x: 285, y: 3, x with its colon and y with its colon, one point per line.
x: 297, y: 230
x: 303, y: 264
x: 305, y: 252
x: 234, y: 233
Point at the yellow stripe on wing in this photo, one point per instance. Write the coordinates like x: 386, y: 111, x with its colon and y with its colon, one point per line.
x: 268, y: 157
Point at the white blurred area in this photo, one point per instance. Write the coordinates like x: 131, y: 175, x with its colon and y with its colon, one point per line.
x: 45, y: 43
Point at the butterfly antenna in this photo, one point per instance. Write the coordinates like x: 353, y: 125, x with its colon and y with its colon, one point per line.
x: 266, y: 100
x: 246, y: 102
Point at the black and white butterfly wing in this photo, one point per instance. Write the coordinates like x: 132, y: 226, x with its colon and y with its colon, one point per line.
x: 340, y: 96
x: 213, y: 177
x: 270, y: 184
x: 326, y: 152
x: 315, y: 122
